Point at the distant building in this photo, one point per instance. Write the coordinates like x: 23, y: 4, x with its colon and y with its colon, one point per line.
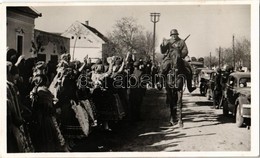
x: 20, y: 29
x: 49, y: 46
x: 85, y: 40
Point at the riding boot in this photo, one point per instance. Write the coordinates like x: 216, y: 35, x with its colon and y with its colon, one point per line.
x: 188, y: 72
x: 173, y: 118
x: 189, y: 83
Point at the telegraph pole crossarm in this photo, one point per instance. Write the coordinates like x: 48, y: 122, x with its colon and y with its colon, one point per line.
x: 154, y: 18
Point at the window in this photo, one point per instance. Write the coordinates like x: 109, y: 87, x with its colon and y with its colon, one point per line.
x: 79, y: 37
x: 72, y: 37
x: 41, y: 57
x: 19, y: 44
x: 245, y: 82
x: 54, y: 58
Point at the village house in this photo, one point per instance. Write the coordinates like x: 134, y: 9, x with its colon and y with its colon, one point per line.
x: 85, y: 40
x: 20, y: 29
x: 50, y: 46
x: 31, y: 42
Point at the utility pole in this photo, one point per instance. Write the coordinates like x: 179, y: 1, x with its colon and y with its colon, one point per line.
x: 233, y: 49
x: 219, y: 51
x: 210, y: 60
x: 154, y: 18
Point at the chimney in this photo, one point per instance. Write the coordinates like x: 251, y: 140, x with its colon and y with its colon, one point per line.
x: 86, y: 22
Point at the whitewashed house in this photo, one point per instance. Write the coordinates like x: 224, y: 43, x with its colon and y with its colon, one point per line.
x: 52, y: 45
x: 85, y: 40
x: 20, y: 29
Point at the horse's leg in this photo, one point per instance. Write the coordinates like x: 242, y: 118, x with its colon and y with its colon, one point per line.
x: 171, y: 102
x: 179, y: 108
x: 179, y: 95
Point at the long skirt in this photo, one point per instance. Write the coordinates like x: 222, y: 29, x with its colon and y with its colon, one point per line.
x: 108, y: 105
x: 75, y: 119
x: 46, y: 134
x: 18, y: 140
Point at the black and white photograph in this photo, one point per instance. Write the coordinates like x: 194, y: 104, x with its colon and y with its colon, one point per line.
x: 123, y: 79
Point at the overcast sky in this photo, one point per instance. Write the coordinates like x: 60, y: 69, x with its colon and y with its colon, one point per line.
x: 210, y: 26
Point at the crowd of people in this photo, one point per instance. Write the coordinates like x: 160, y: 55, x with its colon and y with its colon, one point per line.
x: 51, y: 104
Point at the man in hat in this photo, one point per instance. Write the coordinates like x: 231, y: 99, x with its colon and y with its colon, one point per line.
x: 170, y: 48
x: 217, y: 92
x: 136, y: 92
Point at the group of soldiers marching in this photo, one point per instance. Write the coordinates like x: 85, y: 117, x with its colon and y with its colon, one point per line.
x: 49, y: 105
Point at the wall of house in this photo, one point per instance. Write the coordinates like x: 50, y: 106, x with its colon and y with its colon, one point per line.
x: 51, y: 44
x: 18, y: 24
x: 81, y: 53
x: 87, y: 43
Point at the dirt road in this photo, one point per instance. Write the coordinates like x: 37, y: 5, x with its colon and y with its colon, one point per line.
x: 205, y: 129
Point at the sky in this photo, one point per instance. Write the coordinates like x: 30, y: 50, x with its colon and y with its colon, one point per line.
x: 209, y: 26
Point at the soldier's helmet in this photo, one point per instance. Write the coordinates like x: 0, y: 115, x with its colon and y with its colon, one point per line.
x: 174, y: 32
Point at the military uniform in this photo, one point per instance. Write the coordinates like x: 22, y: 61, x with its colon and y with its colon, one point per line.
x: 171, y: 48
x: 175, y: 50
x: 217, y: 93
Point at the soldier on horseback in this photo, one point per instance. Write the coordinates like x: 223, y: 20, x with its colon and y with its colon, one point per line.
x: 173, y: 46
x: 175, y: 66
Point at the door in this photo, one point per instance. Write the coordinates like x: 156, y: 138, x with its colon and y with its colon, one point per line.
x: 41, y: 57
x: 19, y: 44
x: 54, y: 58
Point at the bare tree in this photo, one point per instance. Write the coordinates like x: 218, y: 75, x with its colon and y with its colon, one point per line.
x: 243, y: 52
x: 241, y: 55
x: 77, y: 31
x: 149, y: 43
x: 37, y: 45
x: 228, y: 56
x: 210, y: 61
x: 128, y: 36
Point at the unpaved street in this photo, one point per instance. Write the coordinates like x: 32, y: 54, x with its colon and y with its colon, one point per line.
x: 205, y: 129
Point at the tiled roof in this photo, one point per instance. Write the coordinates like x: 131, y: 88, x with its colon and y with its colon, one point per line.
x: 96, y: 32
x: 51, y: 33
x: 25, y: 10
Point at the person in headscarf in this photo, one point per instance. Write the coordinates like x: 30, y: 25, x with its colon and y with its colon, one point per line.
x: 18, y: 139
x: 110, y: 107
x: 46, y: 133
x: 84, y: 93
x: 61, y: 69
x: 98, y: 73
x: 73, y: 115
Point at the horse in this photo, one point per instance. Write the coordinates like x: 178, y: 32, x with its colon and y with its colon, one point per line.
x: 174, y: 74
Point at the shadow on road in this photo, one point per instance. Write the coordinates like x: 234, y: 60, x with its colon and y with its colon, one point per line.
x: 152, y: 132
x: 204, y: 103
x: 195, y: 94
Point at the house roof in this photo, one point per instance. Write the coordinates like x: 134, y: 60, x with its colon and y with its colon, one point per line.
x: 50, y: 33
x: 96, y: 32
x: 26, y: 11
